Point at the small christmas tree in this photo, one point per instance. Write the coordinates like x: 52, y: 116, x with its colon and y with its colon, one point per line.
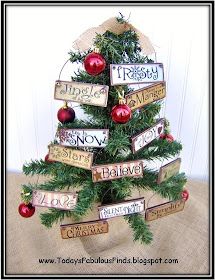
x: 123, y: 123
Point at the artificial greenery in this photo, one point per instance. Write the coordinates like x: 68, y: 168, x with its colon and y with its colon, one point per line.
x: 122, y: 48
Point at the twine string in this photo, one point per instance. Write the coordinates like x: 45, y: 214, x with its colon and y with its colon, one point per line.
x: 63, y: 68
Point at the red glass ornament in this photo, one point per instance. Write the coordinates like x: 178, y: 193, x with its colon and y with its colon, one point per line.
x: 66, y: 115
x: 168, y: 137
x: 185, y: 194
x: 94, y: 63
x: 48, y: 160
x: 121, y: 113
x: 26, y: 210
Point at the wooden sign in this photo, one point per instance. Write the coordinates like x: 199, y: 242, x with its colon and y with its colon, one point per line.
x: 84, y: 137
x: 117, y: 170
x: 83, y: 229
x: 59, y: 200
x: 121, y: 209
x: 144, y: 138
x: 69, y: 156
x: 122, y: 74
x: 139, y: 98
x: 169, y: 170
x: 164, y: 209
x: 83, y: 93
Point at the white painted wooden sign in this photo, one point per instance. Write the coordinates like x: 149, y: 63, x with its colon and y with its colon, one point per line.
x: 97, y: 138
x: 122, y: 209
x: 144, y: 138
x: 83, y: 93
x: 122, y: 74
x: 51, y: 199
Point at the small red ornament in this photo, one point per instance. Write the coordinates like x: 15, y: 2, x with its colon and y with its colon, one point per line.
x: 66, y: 114
x: 185, y: 194
x: 168, y: 137
x: 48, y: 160
x: 26, y: 210
x: 94, y: 63
x: 121, y: 113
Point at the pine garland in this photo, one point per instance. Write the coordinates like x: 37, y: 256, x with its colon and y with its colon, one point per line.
x: 140, y: 228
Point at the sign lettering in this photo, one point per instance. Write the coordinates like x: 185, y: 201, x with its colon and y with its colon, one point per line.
x: 69, y: 156
x: 139, y: 98
x: 83, y: 229
x: 83, y: 93
x: 97, y: 138
x: 122, y: 74
x: 59, y: 200
x: 147, y: 136
x: 164, y: 209
x: 122, y: 209
x: 117, y: 170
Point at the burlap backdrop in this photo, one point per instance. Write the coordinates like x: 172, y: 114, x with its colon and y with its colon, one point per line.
x: 183, y: 235
x: 85, y: 40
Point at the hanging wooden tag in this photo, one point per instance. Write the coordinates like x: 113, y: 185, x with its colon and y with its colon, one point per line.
x: 97, y: 138
x: 139, y: 98
x: 124, y: 74
x: 69, y: 156
x: 121, y: 209
x: 51, y: 199
x: 83, y: 93
x: 117, y: 170
x: 83, y: 229
x: 144, y: 138
x: 169, y: 170
x: 162, y: 210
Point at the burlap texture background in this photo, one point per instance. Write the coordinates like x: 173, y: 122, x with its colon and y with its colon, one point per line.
x: 86, y: 40
x: 183, y: 235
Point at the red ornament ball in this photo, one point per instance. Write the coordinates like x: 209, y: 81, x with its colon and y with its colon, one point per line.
x: 66, y: 115
x: 94, y: 63
x: 185, y: 194
x: 48, y: 160
x: 168, y: 137
x: 26, y: 210
x: 121, y: 113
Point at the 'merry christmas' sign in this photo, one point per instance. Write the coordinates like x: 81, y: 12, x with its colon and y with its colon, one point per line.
x: 169, y: 170
x: 84, y: 137
x: 117, y: 170
x: 90, y: 94
x: 59, y: 200
x: 144, y: 96
x: 147, y: 136
x: 84, y: 229
x: 122, y: 209
x: 164, y: 209
x: 122, y: 74
x: 69, y: 156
